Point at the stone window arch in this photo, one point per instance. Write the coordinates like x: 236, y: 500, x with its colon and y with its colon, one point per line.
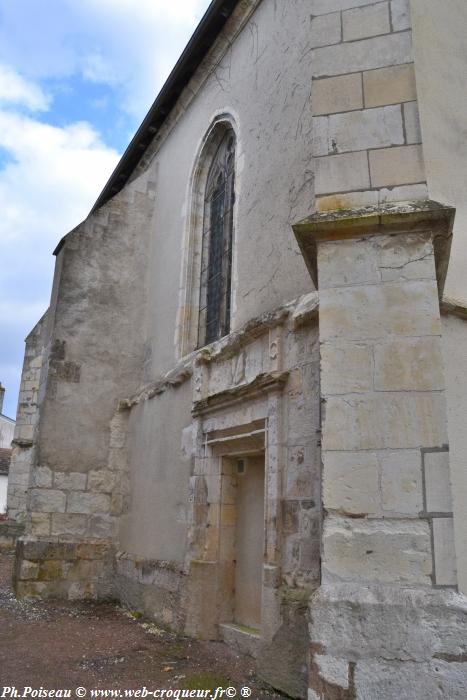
x: 205, y: 294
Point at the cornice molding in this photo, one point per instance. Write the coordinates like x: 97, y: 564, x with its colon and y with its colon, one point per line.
x: 395, y: 218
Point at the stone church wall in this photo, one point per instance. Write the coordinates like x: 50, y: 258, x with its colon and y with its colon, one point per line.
x: 128, y: 492
x: 109, y: 474
x: 261, y: 83
x: 263, y: 381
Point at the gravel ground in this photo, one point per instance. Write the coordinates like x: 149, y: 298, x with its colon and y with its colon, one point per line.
x: 94, y: 646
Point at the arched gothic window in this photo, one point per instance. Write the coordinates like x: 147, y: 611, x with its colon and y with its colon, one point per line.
x: 216, y: 255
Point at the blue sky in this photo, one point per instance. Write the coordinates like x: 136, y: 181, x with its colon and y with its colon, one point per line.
x: 76, y: 79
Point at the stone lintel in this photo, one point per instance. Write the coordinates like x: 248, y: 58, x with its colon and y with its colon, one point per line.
x: 392, y: 218
x: 22, y: 442
x: 243, y: 444
x: 261, y: 384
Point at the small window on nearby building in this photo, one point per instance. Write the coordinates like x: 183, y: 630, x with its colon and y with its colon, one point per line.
x: 216, y: 259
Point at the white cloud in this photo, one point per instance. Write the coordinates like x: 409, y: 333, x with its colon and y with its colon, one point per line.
x: 52, y: 175
x: 16, y: 90
x: 150, y: 10
x: 52, y: 179
x: 128, y: 44
x: 98, y: 70
x: 142, y: 43
x: 46, y: 188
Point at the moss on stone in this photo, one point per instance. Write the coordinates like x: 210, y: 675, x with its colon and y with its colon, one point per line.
x: 295, y: 595
x: 205, y: 681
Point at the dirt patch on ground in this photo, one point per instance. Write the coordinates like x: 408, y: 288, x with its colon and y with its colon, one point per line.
x: 60, y: 645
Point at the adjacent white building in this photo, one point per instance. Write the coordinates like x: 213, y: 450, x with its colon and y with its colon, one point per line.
x: 4, y: 468
x: 7, y: 429
x: 7, y: 425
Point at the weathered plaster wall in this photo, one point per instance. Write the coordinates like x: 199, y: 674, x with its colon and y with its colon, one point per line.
x: 263, y: 81
x: 78, y: 482
x: 159, y: 466
x: 95, y: 352
x: 96, y: 348
x: 104, y: 342
x: 269, y: 109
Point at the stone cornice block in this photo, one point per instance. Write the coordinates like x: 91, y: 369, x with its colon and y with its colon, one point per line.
x: 456, y: 307
x: 22, y: 442
x: 261, y: 384
x: 394, y: 218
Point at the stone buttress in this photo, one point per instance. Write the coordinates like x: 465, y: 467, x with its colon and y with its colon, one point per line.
x: 387, y: 620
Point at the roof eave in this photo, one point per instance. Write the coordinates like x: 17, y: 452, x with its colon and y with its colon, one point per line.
x: 201, y: 41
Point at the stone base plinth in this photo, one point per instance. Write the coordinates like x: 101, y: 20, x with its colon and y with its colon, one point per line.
x: 243, y: 639
x: 9, y: 533
x: 152, y: 588
x: 386, y: 642
x: 71, y: 570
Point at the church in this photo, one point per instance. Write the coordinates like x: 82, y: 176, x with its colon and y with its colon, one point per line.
x: 244, y: 413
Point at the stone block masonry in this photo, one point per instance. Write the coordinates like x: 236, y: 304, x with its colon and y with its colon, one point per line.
x: 353, y: 131
x: 75, y: 504
x: 377, y: 429
x: 364, y: 104
x: 387, y: 537
x: 72, y: 570
x: 396, y: 166
x: 399, y: 406
x: 323, y: 7
x: 340, y: 94
x: 359, y: 655
x: 363, y: 55
x: 363, y: 22
x: 392, y: 85
x: 69, y: 550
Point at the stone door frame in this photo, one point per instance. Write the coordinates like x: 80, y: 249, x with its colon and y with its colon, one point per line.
x: 250, y: 426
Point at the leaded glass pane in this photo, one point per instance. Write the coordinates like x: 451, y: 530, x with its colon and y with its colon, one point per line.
x: 216, y: 265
